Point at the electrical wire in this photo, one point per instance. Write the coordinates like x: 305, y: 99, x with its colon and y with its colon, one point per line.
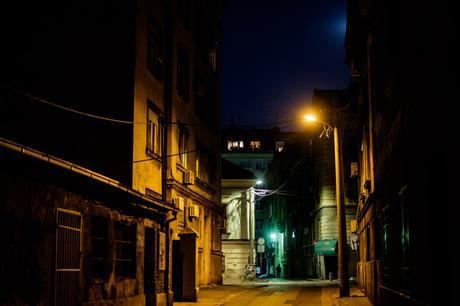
x: 169, y: 155
x: 93, y: 116
x: 287, y: 180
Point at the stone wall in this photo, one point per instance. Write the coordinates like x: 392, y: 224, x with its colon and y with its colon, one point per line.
x: 236, y: 254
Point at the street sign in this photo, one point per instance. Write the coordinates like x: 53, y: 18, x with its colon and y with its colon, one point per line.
x: 260, y: 241
x: 260, y: 248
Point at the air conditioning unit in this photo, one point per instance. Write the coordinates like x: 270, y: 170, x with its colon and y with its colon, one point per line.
x: 193, y: 211
x: 179, y: 202
x: 189, y: 177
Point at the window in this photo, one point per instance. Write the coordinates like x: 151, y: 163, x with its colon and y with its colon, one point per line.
x: 183, y: 146
x: 254, y: 145
x: 279, y: 146
x: 260, y: 165
x: 125, y: 250
x: 212, y: 52
x: 235, y: 145
x: 155, y: 52
x: 205, y: 164
x: 183, y: 74
x: 99, y: 241
x: 184, y: 12
x: 405, y: 238
x: 154, y: 130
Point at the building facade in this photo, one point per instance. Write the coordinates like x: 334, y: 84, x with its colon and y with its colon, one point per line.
x: 403, y: 68
x: 324, y: 214
x: 111, y: 125
x: 253, y: 149
x: 238, y: 197
x: 288, y: 202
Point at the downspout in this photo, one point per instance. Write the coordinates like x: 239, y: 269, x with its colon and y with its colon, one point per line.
x: 168, y: 243
x: 167, y: 130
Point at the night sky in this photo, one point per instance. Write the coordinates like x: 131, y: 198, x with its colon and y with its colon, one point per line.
x: 275, y: 53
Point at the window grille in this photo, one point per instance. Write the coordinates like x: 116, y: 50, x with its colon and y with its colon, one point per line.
x: 68, y: 257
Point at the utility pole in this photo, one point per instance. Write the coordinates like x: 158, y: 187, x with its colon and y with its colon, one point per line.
x: 341, y: 218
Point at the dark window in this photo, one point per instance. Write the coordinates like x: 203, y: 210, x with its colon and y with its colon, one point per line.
x: 183, y: 74
x: 205, y: 164
x: 405, y: 238
x: 184, y: 12
x: 183, y: 146
x: 386, y: 245
x: 100, y: 247
x: 155, y: 52
x: 212, y: 52
x: 125, y: 250
x: 154, y: 130
x: 368, y: 243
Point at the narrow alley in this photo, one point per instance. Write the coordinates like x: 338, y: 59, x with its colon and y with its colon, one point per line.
x: 278, y: 292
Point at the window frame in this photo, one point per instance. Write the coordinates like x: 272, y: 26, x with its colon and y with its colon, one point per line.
x: 155, y: 50
x: 154, y: 131
x: 183, y: 74
x: 99, y: 240
x: 125, y: 261
x: 183, y: 145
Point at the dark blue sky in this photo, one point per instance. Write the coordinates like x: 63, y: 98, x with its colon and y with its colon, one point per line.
x: 275, y: 53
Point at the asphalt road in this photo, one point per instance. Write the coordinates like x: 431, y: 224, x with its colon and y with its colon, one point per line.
x: 301, y: 293
x: 284, y: 295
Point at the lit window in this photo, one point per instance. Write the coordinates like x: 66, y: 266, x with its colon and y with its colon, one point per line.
x: 254, y: 145
x: 279, y: 146
x: 235, y: 145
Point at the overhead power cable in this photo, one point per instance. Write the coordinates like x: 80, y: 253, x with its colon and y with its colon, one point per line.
x: 89, y: 115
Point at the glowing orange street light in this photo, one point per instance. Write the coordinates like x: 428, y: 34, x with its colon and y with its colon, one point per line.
x: 340, y: 202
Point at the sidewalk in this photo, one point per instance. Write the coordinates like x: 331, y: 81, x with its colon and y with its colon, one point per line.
x: 356, y: 298
x: 214, y: 295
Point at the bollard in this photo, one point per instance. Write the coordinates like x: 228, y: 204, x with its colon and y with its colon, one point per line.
x: 330, y: 276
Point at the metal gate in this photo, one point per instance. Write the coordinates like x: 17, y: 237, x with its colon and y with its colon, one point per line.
x: 68, y: 257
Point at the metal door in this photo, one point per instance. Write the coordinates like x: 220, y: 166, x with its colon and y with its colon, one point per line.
x: 68, y: 257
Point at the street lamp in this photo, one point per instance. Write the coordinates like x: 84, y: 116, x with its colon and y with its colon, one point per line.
x: 340, y: 202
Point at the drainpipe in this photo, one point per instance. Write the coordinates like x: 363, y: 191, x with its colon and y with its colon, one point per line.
x: 168, y: 243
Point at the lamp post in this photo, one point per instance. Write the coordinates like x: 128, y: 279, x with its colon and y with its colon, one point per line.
x: 252, y: 223
x: 340, y: 202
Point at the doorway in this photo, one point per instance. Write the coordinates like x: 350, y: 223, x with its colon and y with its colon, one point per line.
x: 177, y: 270
x: 149, y: 266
